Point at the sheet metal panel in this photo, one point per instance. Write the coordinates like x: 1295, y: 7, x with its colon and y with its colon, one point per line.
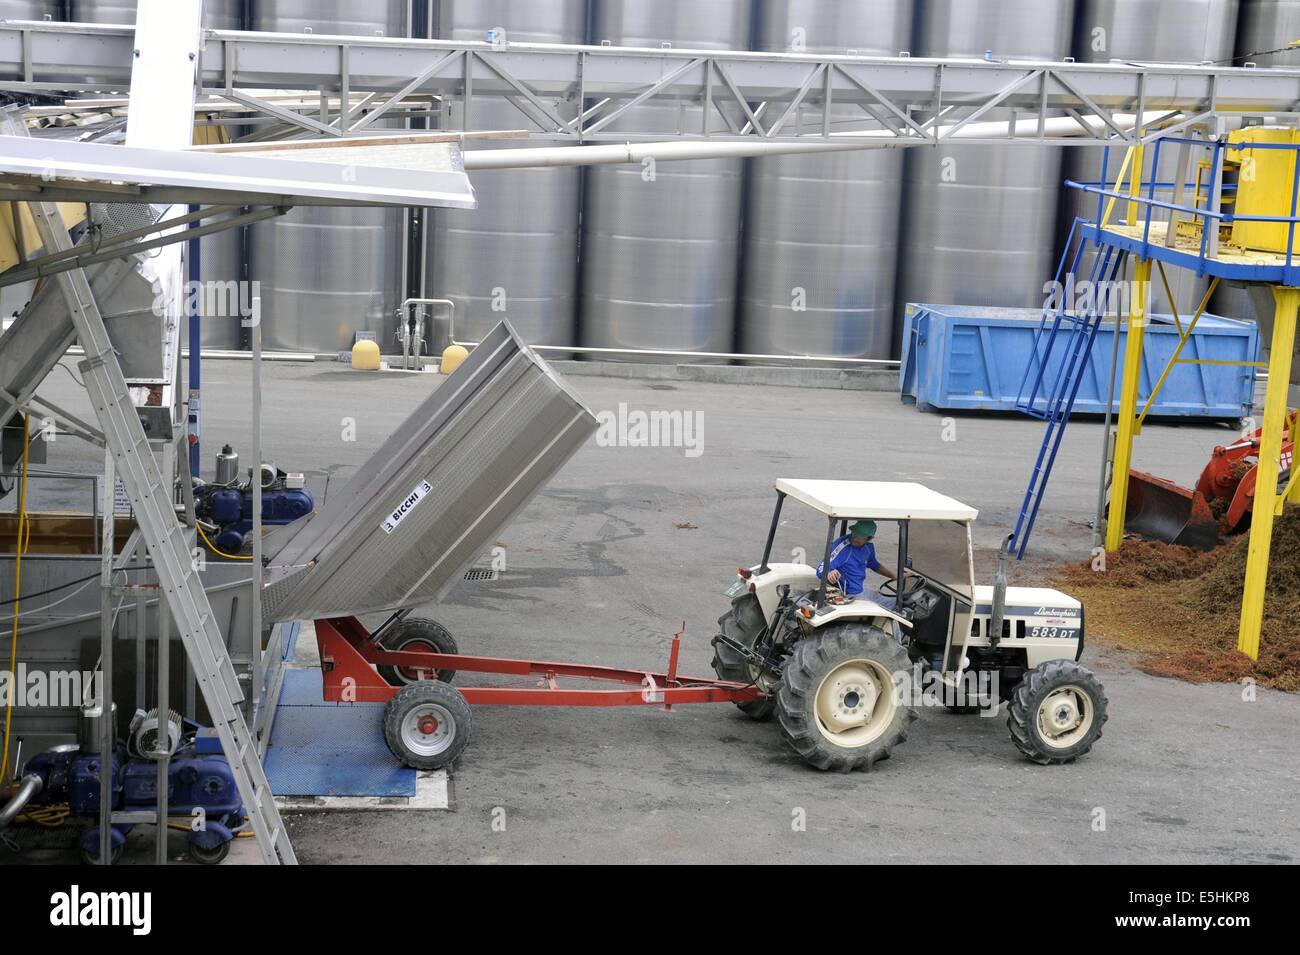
x: 466, y: 461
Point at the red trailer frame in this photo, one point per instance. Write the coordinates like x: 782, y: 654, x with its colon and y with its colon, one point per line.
x: 349, y: 655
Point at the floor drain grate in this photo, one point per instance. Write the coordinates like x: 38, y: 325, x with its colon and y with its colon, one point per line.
x: 481, y: 573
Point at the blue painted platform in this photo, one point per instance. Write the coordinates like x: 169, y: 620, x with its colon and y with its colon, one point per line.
x: 330, y: 749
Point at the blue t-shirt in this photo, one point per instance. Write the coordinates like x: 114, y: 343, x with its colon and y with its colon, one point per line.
x: 852, y: 563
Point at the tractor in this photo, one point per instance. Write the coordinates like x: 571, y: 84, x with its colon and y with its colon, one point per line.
x: 840, y: 671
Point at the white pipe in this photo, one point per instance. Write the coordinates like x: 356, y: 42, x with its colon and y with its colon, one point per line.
x: 639, y: 152
x: 1057, y: 127
x: 730, y: 356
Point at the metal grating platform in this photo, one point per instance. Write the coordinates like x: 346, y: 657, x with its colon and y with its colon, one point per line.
x: 330, y: 749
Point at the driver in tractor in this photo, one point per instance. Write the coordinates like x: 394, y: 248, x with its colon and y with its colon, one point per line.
x: 851, y: 557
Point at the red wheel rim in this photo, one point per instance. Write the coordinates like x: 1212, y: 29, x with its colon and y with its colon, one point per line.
x: 410, y: 674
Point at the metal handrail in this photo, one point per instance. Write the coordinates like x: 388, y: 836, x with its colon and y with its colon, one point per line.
x: 1212, y: 213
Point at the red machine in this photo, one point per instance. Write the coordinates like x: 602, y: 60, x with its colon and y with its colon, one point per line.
x: 1220, y: 503
x: 427, y: 721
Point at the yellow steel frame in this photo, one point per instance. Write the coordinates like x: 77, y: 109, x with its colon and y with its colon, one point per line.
x: 1127, y: 418
x: 1183, y: 337
x: 1268, y: 503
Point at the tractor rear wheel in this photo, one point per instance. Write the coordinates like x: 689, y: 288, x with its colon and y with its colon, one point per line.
x: 744, y: 624
x: 427, y: 724
x: 839, y: 705
x: 416, y: 634
x: 1057, y: 712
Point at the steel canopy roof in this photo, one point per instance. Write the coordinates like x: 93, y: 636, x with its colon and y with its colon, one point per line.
x: 425, y: 174
x: 885, y: 500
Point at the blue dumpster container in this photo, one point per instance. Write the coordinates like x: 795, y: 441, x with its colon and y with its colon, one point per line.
x: 973, y: 358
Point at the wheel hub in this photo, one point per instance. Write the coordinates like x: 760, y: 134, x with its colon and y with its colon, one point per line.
x: 411, y: 674
x: 428, y: 730
x: 1064, y: 716
x: 848, y: 698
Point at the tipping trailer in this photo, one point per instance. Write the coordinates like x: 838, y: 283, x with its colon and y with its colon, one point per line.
x: 405, y: 529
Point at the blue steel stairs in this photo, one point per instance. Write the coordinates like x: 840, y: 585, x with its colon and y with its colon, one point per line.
x: 1050, y: 386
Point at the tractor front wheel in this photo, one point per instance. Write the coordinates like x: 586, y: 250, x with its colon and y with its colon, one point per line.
x: 1057, y: 712
x: 839, y: 704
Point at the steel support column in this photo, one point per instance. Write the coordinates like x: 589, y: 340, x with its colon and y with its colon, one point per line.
x: 1128, y: 423
x: 1286, y: 300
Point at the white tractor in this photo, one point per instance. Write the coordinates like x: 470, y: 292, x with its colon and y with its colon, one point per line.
x: 841, y: 672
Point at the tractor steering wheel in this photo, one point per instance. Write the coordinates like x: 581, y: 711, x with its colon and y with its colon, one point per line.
x: 913, y: 585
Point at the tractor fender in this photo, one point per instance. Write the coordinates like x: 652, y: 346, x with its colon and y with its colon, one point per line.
x: 858, y: 610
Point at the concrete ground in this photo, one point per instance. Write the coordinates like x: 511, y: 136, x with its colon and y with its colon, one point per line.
x: 627, y: 542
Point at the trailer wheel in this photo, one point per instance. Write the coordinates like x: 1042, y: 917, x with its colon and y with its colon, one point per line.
x: 417, y: 634
x: 838, y: 704
x: 427, y: 724
x: 1057, y: 712
x: 744, y: 624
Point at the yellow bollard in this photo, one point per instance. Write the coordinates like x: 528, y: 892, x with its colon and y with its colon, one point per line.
x: 452, y: 356
x: 365, y: 356
x: 1127, y: 418
x: 1285, y: 303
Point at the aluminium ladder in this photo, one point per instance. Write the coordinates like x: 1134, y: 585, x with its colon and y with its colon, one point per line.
x: 150, y: 496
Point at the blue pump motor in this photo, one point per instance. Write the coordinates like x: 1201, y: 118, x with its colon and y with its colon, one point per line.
x: 229, y: 505
x: 200, y: 786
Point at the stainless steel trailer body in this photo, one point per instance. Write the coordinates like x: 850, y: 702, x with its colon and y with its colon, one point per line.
x: 440, y: 489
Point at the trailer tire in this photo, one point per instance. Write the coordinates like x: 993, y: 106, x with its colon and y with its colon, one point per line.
x: 838, y: 704
x: 744, y: 624
x: 427, y: 724
x: 416, y: 633
x: 1057, y: 712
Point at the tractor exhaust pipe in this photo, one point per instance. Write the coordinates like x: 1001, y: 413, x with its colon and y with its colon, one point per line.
x: 1000, y: 593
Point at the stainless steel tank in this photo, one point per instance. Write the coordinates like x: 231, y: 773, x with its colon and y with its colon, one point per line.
x: 661, y: 242
x: 516, y: 255
x: 217, y: 14
x: 821, y: 232
x: 32, y: 9
x: 326, y: 274
x: 1172, y: 31
x: 979, y: 222
x: 1268, y: 25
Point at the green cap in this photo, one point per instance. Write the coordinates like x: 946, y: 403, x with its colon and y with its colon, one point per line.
x: 863, y: 529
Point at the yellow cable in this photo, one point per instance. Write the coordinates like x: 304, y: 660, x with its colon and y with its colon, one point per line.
x: 48, y: 816
x: 213, y: 547
x: 20, y: 543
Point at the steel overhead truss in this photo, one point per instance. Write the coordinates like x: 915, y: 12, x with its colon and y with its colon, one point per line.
x: 775, y: 96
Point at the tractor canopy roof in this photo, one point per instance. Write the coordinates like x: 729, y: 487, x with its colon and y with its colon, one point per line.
x: 881, y: 500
